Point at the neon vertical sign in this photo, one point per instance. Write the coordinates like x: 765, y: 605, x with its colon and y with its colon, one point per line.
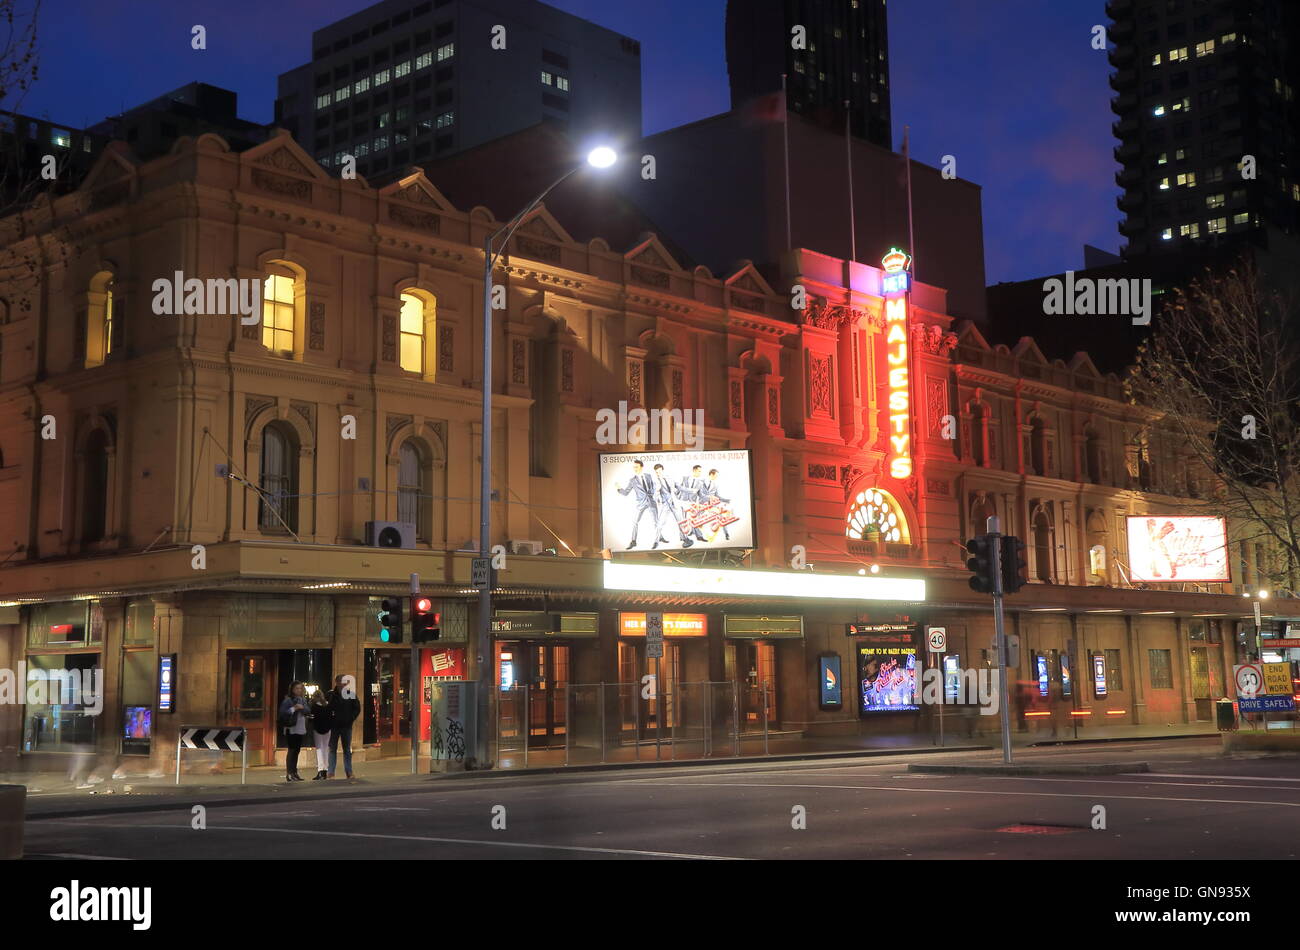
x: 895, y: 286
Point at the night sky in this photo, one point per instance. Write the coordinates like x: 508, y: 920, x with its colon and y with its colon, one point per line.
x: 1011, y: 88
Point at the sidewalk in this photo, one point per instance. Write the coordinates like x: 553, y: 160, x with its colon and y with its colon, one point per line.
x: 51, y: 794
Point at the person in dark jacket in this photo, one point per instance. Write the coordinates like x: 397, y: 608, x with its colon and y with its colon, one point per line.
x: 293, y: 721
x: 346, y: 708
x: 322, y: 725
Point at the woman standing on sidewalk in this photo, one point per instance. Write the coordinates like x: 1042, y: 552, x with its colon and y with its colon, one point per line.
x: 322, y: 724
x: 293, y: 720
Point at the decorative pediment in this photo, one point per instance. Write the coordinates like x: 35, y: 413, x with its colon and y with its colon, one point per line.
x: 283, y: 154
x: 969, y: 335
x: 1027, y: 349
x: 542, y: 225
x: 1082, y: 364
x: 747, y: 279
x: 650, y: 252
x: 418, y: 190
x: 117, y: 164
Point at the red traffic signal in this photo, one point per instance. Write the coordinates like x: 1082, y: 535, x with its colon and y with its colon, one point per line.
x: 426, y: 623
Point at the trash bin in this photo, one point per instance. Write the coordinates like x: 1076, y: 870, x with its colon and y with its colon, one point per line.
x: 13, y: 804
x: 1225, y: 715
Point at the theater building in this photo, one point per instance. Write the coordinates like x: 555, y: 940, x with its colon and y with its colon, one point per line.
x: 233, y: 495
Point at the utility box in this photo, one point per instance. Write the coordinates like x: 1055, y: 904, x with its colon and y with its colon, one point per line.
x: 1225, y: 716
x: 13, y: 806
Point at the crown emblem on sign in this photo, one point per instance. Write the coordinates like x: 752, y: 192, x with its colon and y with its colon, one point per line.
x: 895, y: 261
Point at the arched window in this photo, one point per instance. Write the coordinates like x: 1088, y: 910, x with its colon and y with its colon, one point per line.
x: 94, y: 493
x: 411, y: 350
x: 103, y: 323
x: 278, y: 314
x: 1092, y: 456
x: 876, y: 516
x: 413, y: 501
x: 1042, y: 528
x: 981, y: 510
x: 1038, y: 446
x: 979, y: 437
x: 278, y: 509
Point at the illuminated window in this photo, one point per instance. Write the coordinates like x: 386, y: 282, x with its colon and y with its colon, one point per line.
x: 1167, y: 234
x: 446, y: 119
x: 323, y: 101
x: 547, y: 78
x: 342, y: 93
x: 424, y: 61
x: 1205, y: 49
x: 277, y: 314
x: 382, y: 76
x: 402, y: 69
x: 446, y: 52
x: 361, y: 85
x: 102, y: 321
x: 1180, y: 154
x: 1214, y: 201
x: 61, y: 138
x: 1227, y: 38
x: 363, y: 149
x: 1155, y: 60
x: 381, y: 143
x: 412, y: 334
x: 876, y: 515
x: 1178, y: 55
x: 1164, y: 184
x: 1183, y: 105
x: 1241, y: 218
x: 108, y: 319
x: 1158, y: 110
x: 1186, y: 179
x: 1163, y: 158
x: 1192, y: 230
x: 562, y: 83
x: 1216, y: 225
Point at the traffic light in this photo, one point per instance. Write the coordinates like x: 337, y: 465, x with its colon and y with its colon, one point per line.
x: 980, y: 564
x: 390, y: 619
x: 1015, y: 565
x: 426, y: 624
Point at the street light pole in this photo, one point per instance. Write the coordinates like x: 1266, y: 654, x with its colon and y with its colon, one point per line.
x: 599, y: 158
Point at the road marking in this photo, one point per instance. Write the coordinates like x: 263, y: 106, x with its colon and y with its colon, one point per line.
x: 474, y: 841
x: 967, y: 791
x: 78, y: 857
x: 1085, y: 780
x: 1252, y: 778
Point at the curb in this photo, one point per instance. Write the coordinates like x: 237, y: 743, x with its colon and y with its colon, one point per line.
x: 421, y: 783
x: 1091, y: 768
x: 1054, y: 742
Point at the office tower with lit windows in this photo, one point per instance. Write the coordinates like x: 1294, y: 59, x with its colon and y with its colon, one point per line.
x: 846, y: 59
x: 406, y: 81
x: 1199, y: 84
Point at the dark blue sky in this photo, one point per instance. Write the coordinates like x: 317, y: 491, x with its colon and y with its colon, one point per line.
x: 1011, y: 88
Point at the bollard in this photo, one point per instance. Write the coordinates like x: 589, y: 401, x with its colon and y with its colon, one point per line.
x: 13, y: 806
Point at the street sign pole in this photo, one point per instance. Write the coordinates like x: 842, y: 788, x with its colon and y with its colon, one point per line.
x: 414, y: 704
x: 943, y: 694
x: 995, y: 554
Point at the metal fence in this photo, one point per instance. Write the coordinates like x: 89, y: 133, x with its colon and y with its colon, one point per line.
x: 593, y: 723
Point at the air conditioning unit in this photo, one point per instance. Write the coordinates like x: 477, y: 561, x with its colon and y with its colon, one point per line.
x: 390, y: 534
x: 525, y: 547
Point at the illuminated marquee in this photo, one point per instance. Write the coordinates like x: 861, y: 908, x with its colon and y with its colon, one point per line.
x: 896, y: 279
x: 895, y: 264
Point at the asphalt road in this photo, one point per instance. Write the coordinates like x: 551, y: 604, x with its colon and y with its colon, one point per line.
x: 1194, y: 804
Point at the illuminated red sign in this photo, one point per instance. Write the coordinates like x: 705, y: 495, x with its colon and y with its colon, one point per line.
x: 900, y: 391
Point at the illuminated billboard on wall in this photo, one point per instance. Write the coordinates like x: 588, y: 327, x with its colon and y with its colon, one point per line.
x: 670, y: 501
x: 1173, y: 548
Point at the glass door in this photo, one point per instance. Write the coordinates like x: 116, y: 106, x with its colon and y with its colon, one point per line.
x: 548, y: 682
x: 254, y: 705
x: 388, y: 681
x: 633, y: 664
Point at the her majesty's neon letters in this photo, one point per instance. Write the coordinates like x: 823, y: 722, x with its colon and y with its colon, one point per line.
x: 900, y: 458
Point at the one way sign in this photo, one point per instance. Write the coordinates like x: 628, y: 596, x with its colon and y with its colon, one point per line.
x: 217, y: 739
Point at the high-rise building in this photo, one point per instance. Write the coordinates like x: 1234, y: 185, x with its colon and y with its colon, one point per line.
x: 846, y: 59
x: 1201, y: 87
x: 402, y: 82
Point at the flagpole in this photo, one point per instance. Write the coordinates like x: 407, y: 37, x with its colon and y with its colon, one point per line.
x: 907, y: 163
x: 848, y: 152
x: 785, y: 134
